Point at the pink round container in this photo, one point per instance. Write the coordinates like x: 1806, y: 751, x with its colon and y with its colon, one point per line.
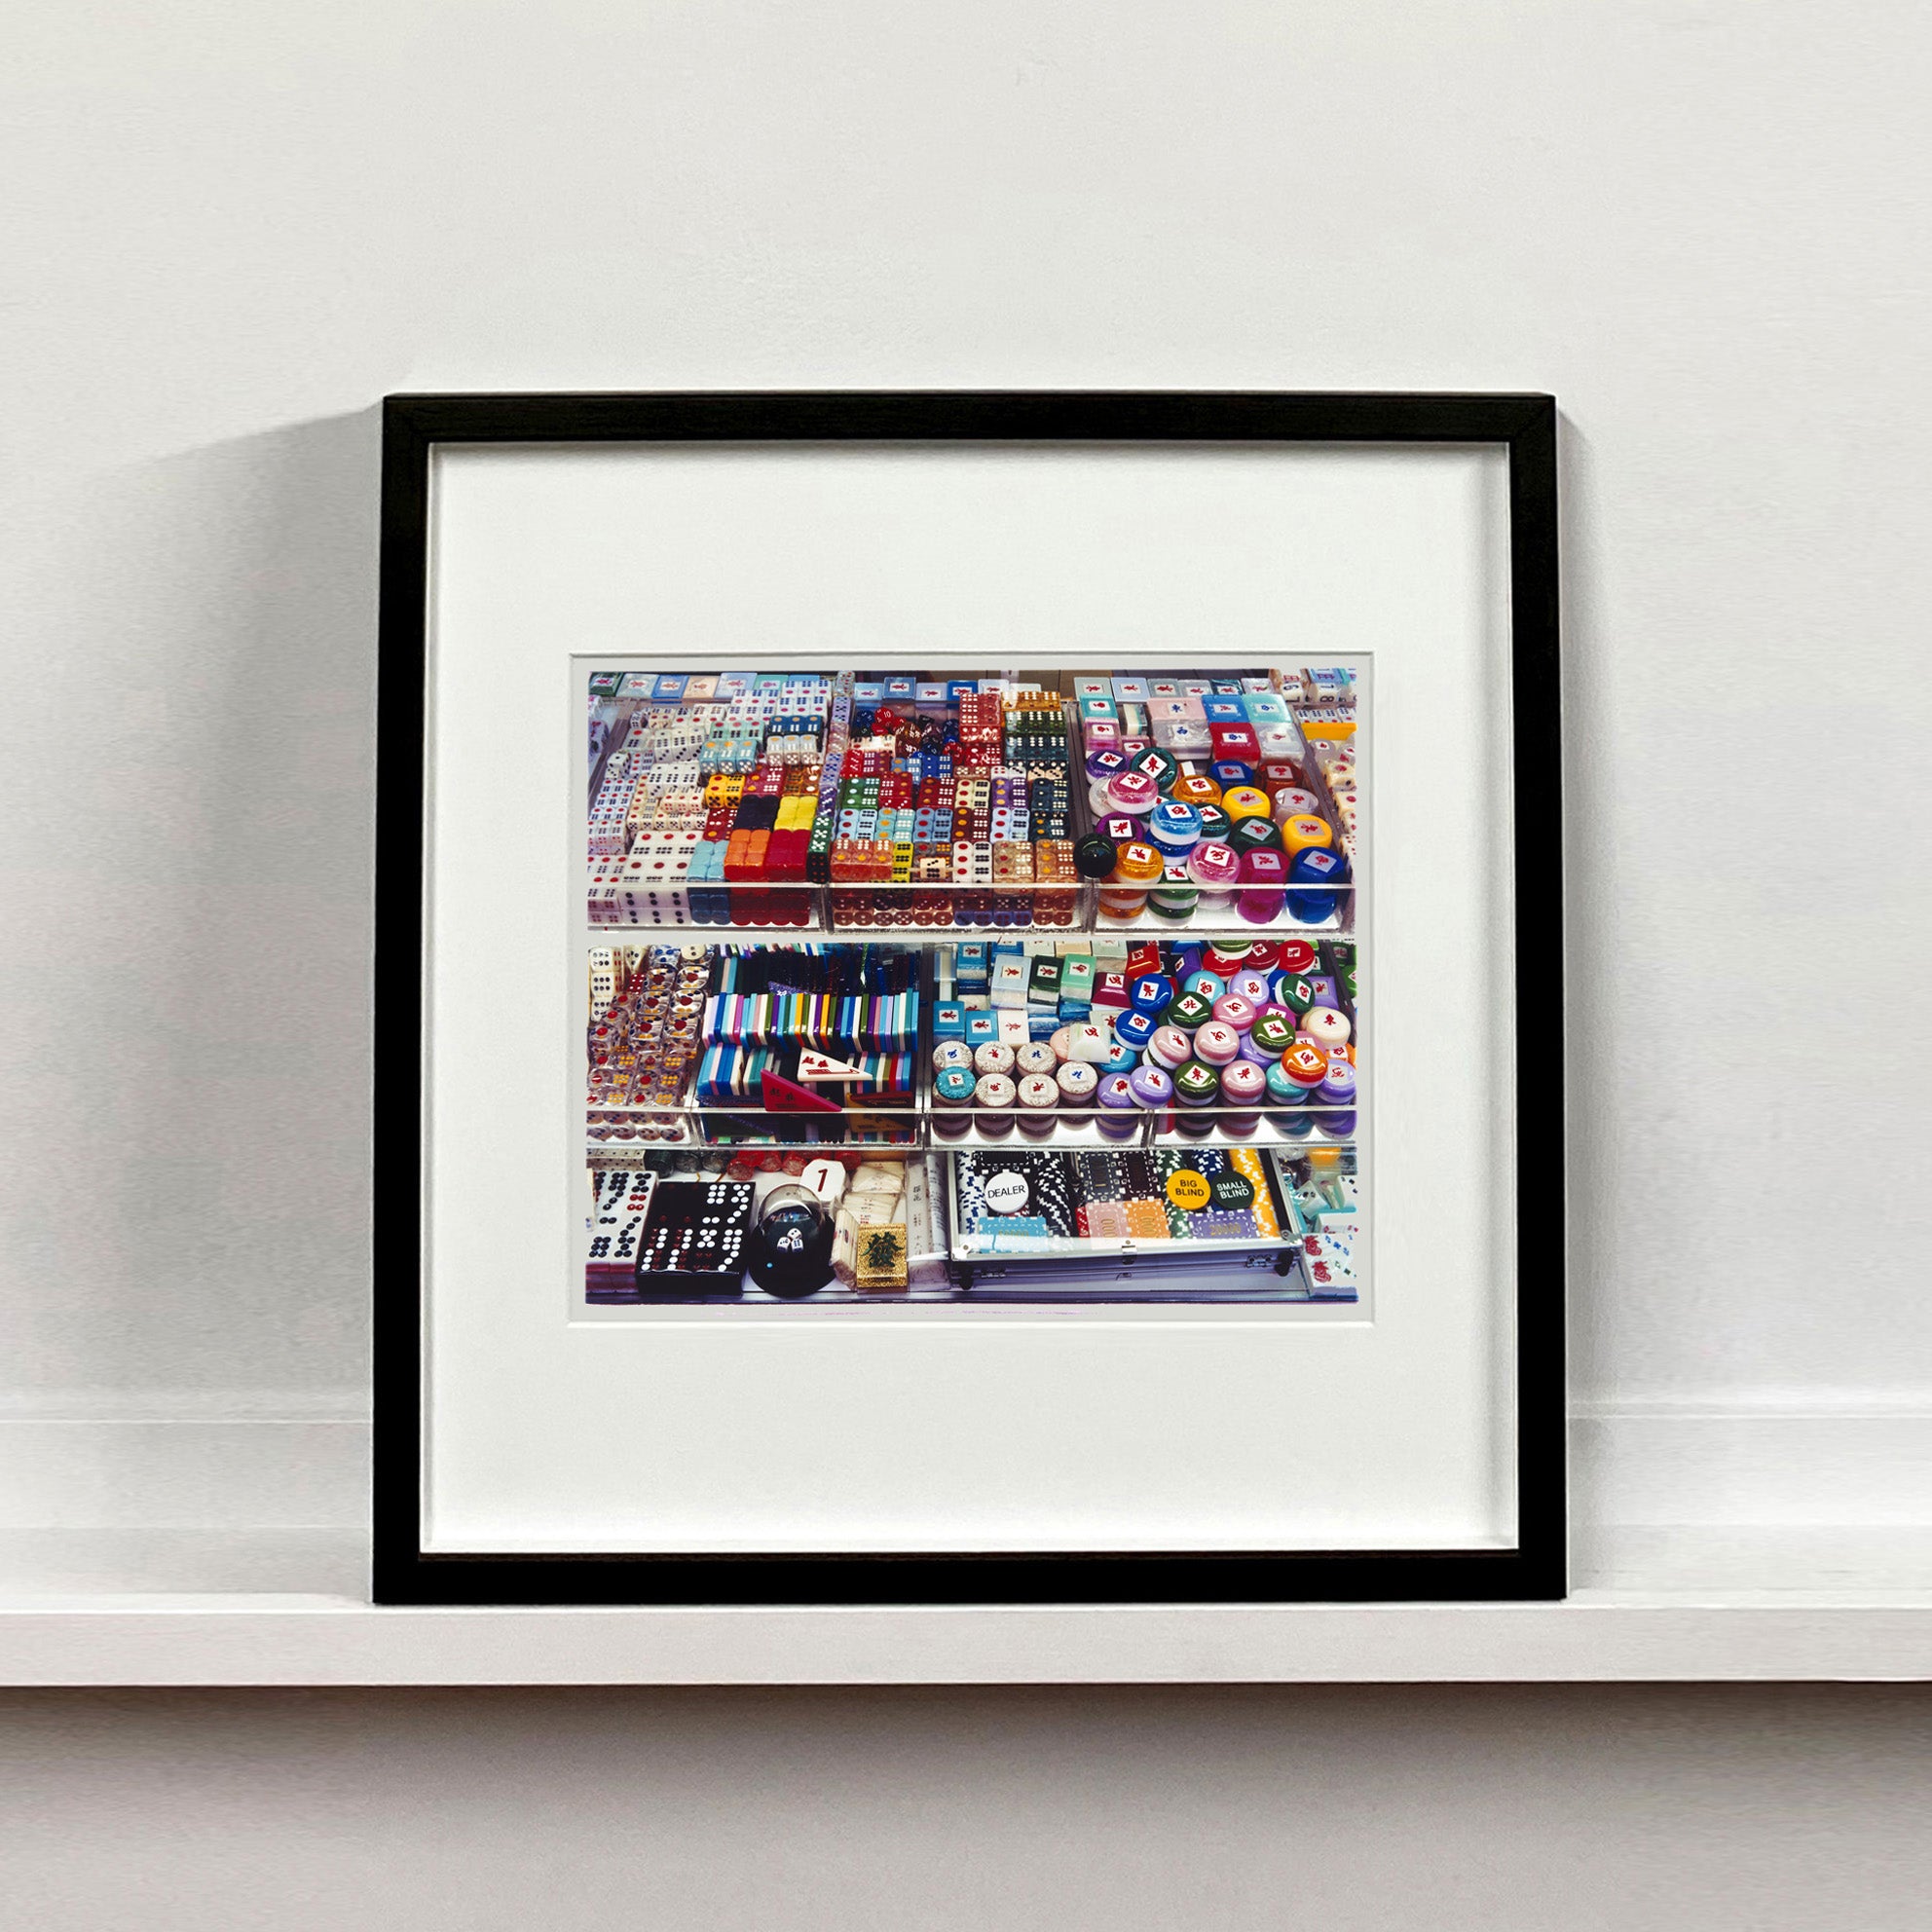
x: 1231, y: 1010
x: 1260, y: 871
x: 1243, y: 1084
x: 1169, y: 1048
x: 1062, y: 1044
x: 1214, y: 864
x: 1132, y: 792
x: 1217, y: 1043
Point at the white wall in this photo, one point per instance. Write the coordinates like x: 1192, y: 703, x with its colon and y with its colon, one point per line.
x: 232, y: 227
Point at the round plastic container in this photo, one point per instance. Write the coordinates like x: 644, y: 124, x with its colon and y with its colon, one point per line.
x: 1307, y: 1066
x: 1216, y: 825
x: 1135, y: 1029
x: 992, y: 1099
x: 1161, y: 766
x: 1077, y: 1083
x: 951, y: 1053
x: 1039, y: 1098
x: 1263, y: 1057
x: 1316, y: 865
x: 1328, y: 1027
x: 1035, y: 1057
x: 1190, y: 1010
x: 1295, y: 802
x: 1252, y: 986
x: 1295, y: 1121
x: 1245, y: 801
x: 1260, y: 874
x: 1217, y: 1044
x: 994, y: 1057
x: 1197, y: 788
x: 1243, y: 1085
x: 1273, y: 1034
x: 1197, y: 1088
x: 1132, y: 792
x: 1231, y: 1010
x: 1117, y: 1117
x: 952, y: 1102
x: 1174, y: 904
x: 1338, y: 1089
x: 1175, y: 828
x: 1214, y: 868
x: 1169, y: 1048
x: 1153, y: 1090
x: 1306, y: 833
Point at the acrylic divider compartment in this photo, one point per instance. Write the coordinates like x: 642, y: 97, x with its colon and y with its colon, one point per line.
x: 830, y: 801
x: 1226, y: 1225
x: 820, y: 1043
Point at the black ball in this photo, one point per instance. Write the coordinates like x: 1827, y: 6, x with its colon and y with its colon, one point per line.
x: 790, y: 1251
x: 1095, y: 856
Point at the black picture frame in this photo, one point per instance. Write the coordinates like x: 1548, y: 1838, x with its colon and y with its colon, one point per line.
x: 413, y: 426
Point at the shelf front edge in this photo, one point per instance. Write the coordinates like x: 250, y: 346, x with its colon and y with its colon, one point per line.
x: 267, y: 1641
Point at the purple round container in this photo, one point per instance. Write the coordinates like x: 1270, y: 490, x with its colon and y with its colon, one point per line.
x: 1153, y: 1090
x: 1254, y: 986
x: 1115, y: 1098
x: 1337, y: 1091
x: 1258, y: 1051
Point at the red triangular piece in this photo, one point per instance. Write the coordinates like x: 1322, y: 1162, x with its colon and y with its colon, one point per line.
x: 787, y: 1096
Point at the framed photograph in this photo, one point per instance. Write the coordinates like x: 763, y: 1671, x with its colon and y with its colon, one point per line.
x: 969, y: 999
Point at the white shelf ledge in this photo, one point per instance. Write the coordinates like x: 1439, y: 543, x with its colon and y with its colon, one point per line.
x: 284, y: 1607
x: 1595, y: 1637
